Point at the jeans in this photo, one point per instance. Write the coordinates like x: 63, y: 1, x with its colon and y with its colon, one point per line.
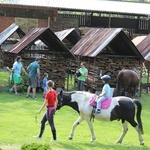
x: 81, y: 85
x: 100, y: 100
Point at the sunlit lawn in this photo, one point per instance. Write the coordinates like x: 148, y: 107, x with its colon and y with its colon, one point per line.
x: 18, y: 126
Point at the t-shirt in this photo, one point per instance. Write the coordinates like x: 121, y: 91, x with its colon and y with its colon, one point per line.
x: 106, y: 88
x: 17, y: 68
x: 33, y: 69
x: 51, y: 98
x: 44, y: 82
x: 83, y: 72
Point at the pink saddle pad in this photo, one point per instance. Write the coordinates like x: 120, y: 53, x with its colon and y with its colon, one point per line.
x: 92, y: 100
x: 105, y: 104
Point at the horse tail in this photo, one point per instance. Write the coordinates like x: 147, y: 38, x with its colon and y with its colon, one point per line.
x: 119, y: 83
x: 138, y: 114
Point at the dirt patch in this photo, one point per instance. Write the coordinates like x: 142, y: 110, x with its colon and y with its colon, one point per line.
x: 10, y: 147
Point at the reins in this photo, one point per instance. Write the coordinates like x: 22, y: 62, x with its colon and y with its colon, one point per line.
x: 36, y: 121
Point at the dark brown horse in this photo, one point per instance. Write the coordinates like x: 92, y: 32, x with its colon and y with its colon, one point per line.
x: 127, y: 83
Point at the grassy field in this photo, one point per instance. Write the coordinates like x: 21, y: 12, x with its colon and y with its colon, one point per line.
x: 18, y: 126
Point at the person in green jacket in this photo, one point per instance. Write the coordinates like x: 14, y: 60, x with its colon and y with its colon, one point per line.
x: 82, y: 78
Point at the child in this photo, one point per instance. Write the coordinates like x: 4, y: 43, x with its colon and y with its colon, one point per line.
x: 51, y: 103
x: 106, y: 93
x: 44, y: 81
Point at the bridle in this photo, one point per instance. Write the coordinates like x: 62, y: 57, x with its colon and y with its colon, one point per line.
x: 60, y: 102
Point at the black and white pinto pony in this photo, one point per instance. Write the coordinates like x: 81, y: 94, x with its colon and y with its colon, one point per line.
x: 120, y: 108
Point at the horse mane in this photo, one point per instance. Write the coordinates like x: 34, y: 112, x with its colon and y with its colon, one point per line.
x: 85, y: 94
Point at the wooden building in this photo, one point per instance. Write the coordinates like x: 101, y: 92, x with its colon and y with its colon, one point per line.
x: 55, y: 59
x: 134, y: 18
x: 108, y: 50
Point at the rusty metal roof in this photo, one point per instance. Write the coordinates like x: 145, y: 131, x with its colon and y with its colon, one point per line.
x: 46, y: 35
x: 144, y: 47
x: 70, y: 34
x: 106, y: 41
x: 138, y: 39
x: 83, y: 5
x: 9, y: 31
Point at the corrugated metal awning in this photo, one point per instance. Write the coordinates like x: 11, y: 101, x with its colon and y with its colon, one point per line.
x: 138, y: 39
x: 46, y: 35
x: 105, y: 41
x: 144, y: 47
x: 70, y: 34
x: 91, y: 5
x: 9, y: 31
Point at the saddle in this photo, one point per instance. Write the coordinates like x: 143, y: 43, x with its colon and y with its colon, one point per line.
x: 105, y: 104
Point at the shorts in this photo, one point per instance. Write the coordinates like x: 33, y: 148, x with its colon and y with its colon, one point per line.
x: 32, y: 82
x: 16, y: 79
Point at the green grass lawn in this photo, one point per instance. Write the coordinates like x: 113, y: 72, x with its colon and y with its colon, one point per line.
x: 4, y: 77
x: 18, y: 126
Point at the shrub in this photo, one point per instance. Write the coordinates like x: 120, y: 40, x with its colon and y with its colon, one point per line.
x: 35, y: 146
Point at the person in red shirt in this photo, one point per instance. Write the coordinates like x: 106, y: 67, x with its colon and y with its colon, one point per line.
x: 51, y: 103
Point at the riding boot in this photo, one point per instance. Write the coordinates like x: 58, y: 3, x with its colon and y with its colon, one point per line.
x: 54, y: 134
x: 42, y: 131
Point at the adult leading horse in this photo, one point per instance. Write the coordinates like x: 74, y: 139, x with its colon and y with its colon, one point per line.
x: 121, y: 108
x: 127, y: 83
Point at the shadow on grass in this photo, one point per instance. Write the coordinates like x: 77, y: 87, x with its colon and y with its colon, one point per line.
x: 99, y: 146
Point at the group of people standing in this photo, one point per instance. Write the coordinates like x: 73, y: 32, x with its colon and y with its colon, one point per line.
x: 49, y: 94
x: 34, y: 71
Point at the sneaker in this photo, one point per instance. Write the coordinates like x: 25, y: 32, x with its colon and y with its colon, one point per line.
x: 17, y: 94
x: 27, y: 96
x: 52, y: 140
x: 34, y: 97
x: 37, y: 137
x: 98, y: 111
x: 10, y: 90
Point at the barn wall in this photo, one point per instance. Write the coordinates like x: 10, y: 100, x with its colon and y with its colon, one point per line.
x: 26, y: 17
x: 5, y: 22
x: 26, y: 24
x: 64, y: 22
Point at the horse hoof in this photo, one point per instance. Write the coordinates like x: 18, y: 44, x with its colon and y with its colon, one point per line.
x: 118, y: 142
x: 92, y: 140
x: 142, y: 143
x: 70, y: 138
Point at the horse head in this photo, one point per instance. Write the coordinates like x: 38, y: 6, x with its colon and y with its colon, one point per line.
x: 60, y: 100
x: 64, y: 98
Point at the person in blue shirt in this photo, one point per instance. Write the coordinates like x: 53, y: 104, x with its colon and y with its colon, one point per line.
x: 44, y: 84
x: 34, y: 71
x: 106, y: 93
x: 16, y: 74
